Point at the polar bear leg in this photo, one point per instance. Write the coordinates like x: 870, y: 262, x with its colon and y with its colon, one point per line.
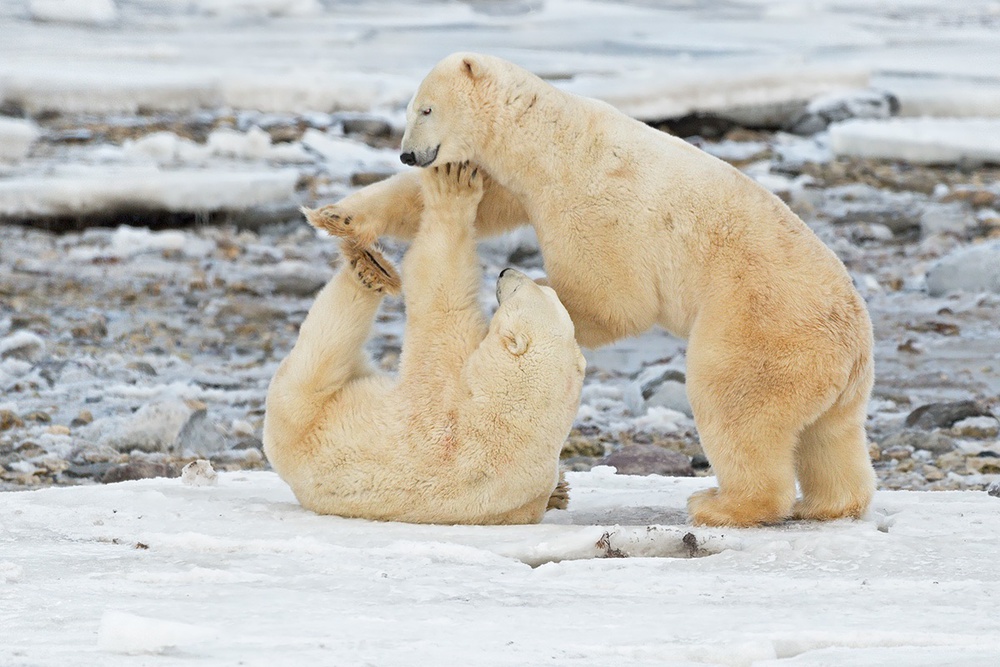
x: 444, y: 320
x: 329, y: 351
x: 834, y: 468
x: 754, y: 463
x: 394, y: 207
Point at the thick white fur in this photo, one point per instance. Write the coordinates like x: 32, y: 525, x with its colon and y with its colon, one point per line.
x: 471, y: 430
x: 640, y: 228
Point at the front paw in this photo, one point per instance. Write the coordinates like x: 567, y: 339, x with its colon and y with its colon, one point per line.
x: 451, y: 184
x: 337, y: 220
x: 371, y: 268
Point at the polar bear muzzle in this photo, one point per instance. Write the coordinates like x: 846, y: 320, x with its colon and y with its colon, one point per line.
x: 420, y: 158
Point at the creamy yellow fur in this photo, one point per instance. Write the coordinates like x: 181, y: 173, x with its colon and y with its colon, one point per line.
x: 471, y: 430
x: 640, y: 228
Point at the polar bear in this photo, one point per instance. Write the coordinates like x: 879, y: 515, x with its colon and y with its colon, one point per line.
x: 471, y: 430
x: 640, y: 228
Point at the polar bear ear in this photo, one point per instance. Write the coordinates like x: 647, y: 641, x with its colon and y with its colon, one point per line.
x: 516, y: 343
x: 472, y: 67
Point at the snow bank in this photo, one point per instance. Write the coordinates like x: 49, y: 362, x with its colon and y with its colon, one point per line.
x: 919, y: 140
x: 16, y: 138
x: 95, y: 12
x: 240, y: 573
x: 107, y: 189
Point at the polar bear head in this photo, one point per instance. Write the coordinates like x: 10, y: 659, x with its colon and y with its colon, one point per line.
x: 447, y: 118
x: 532, y: 320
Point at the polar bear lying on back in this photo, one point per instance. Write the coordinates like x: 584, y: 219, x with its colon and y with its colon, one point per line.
x: 471, y: 430
x: 640, y: 228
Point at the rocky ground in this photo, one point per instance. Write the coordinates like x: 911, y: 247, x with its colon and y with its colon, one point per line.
x: 126, y: 353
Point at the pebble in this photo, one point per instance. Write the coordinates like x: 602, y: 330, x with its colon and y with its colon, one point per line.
x: 994, y: 489
x: 9, y: 420
x: 83, y: 418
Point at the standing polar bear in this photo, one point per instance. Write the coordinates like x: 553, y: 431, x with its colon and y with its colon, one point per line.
x: 471, y: 430
x: 640, y: 228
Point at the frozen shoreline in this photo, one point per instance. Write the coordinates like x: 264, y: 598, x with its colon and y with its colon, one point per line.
x: 239, y: 572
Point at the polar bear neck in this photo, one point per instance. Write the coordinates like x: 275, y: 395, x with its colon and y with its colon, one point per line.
x: 533, y: 112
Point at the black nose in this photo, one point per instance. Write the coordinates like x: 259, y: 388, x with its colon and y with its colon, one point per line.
x: 409, y: 159
x: 504, y: 271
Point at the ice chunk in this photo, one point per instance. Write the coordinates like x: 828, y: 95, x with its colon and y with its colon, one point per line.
x: 919, y: 140
x: 16, y: 139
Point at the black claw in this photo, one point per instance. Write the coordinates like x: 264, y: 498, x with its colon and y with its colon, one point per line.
x: 447, y: 169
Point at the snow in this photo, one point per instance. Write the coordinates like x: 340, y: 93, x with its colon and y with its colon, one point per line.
x: 240, y: 573
x: 93, y: 189
x: 650, y: 58
x: 920, y: 140
x: 97, y: 12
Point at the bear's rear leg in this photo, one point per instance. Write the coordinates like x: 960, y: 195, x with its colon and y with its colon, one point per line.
x: 833, y: 465
x: 754, y: 463
x: 559, y: 500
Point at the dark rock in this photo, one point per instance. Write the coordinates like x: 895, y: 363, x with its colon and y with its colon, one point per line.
x: 370, y: 127
x: 9, y: 420
x: 360, y: 179
x: 944, y: 415
x: 934, y: 442
x: 525, y: 255
x: 249, y: 442
x: 88, y: 470
x: 38, y: 416
x: 649, y: 460
x: 138, y: 470
x: 994, y: 489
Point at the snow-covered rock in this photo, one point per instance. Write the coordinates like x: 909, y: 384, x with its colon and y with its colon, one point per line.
x: 841, y: 106
x: 919, y: 140
x: 199, y: 473
x: 16, y: 138
x: 170, y: 426
x: 974, y: 268
x: 23, y: 345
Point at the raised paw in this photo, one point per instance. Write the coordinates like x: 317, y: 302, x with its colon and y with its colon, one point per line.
x: 336, y: 220
x: 453, y: 183
x: 371, y: 268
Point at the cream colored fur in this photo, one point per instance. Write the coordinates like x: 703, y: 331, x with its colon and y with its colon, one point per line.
x: 640, y: 228
x: 470, y: 431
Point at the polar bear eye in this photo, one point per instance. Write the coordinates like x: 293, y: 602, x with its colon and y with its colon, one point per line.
x: 426, y: 111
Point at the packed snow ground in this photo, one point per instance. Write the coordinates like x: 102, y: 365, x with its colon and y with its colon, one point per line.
x: 239, y: 573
